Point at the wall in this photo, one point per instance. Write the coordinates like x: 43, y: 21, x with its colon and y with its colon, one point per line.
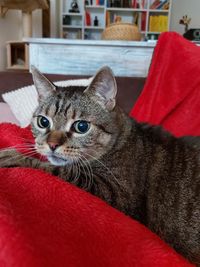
x: 11, y: 29
x: 185, y: 7
x: 55, y: 18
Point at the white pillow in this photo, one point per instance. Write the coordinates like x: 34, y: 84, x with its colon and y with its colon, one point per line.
x: 24, y: 101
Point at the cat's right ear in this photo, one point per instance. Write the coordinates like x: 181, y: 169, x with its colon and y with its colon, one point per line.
x: 104, y: 87
x: 44, y: 87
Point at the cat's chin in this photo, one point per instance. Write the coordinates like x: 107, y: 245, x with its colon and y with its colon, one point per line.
x: 58, y: 161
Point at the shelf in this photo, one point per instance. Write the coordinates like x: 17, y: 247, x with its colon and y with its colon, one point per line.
x: 94, y: 7
x: 72, y: 14
x: 72, y: 26
x: 121, y: 9
x: 17, y: 55
x: 93, y: 28
x: 158, y: 10
x: 144, y: 17
x: 148, y: 32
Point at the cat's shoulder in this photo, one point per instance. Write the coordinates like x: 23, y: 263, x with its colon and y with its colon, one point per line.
x: 155, y: 133
x: 158, y: 134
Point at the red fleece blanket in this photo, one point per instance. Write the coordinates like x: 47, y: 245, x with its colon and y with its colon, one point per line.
x: 171, y: 95
x: 47, y: 222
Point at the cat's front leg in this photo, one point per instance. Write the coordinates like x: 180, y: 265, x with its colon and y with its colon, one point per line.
x: 12, y: 158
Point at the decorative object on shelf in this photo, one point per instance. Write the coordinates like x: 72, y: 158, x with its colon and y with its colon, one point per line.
x: 74, y: 7
x: 87, y: 18
x: 96, y: 21
x: 185, y: 21
x: 122, y: 31
x: 66, y: 20
x: 118, y: 19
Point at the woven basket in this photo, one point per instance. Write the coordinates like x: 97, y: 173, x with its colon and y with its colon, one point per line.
x: 121, y: 31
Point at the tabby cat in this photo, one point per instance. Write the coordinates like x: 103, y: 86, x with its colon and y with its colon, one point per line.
x: 141, y: 170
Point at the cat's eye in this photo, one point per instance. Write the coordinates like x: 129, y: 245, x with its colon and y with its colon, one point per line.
x: 81, y: 126
x: 43, y: 122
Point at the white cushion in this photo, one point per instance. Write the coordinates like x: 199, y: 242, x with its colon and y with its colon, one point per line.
x: 24, y: 101
x: 6, y: 114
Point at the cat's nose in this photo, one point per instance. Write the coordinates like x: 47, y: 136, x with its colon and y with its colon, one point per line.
x: 53, y: 145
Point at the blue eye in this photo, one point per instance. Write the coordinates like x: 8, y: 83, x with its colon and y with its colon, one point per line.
x: 43, y: 122
x: 81, y: 126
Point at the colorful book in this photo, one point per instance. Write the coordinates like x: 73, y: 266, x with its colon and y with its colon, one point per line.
x: 161, y: 4
x: 143, y: 21
x: 155, y: 4
x: 107, y: 18
x: 134, y: 4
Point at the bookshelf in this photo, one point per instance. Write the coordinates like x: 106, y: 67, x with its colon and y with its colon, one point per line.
x: 151, y: 16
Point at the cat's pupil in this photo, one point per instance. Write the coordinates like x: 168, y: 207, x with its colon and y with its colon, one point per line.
x: 43, y: 122
x: 81, y: 126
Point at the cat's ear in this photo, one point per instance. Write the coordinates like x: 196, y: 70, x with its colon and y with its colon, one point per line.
x: 43, y: 86
x: 104, y: 86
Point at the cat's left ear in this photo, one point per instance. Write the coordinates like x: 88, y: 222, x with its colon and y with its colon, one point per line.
x: 104, y: 86
x: 43, y: 86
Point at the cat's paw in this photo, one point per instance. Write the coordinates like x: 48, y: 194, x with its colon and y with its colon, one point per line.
x: 10, y: 158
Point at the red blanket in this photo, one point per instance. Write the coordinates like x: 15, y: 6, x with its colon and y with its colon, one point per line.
x: 47, y: 222
x: 171, y: 95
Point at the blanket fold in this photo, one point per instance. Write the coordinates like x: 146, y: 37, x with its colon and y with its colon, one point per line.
x: 171, y: 95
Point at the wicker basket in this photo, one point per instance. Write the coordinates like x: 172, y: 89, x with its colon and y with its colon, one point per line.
x: 121, y: 31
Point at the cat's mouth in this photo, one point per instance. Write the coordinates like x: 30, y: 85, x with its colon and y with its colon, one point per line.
x: 58, y: 161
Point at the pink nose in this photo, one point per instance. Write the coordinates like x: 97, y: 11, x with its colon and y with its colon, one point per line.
x: 53, y: 145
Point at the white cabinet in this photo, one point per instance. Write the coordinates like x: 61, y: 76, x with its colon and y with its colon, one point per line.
x: 151, y: 16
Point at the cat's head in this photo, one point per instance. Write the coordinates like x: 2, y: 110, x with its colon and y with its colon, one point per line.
x: 73, y: 123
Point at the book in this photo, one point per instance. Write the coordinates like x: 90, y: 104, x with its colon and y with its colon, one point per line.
x: 134, y: 3
x: 107, y: 18
x: 141, y: 4
x: 143, y: 21
x: 155, y: 4
x: 161, y: 4
x: 151, y: 23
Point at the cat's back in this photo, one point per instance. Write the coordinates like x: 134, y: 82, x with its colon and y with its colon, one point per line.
x: 172, y: 188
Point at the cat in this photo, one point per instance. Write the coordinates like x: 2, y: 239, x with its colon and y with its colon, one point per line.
x: 137, y: 168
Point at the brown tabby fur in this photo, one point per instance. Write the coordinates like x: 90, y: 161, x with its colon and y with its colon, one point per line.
x: 139, y: 169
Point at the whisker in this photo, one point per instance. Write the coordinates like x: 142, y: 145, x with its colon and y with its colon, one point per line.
x: 89, y: 169
x: 16, y: 146
x: 84, y: 172
x: 16, y: 157
x: 103, y: 165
